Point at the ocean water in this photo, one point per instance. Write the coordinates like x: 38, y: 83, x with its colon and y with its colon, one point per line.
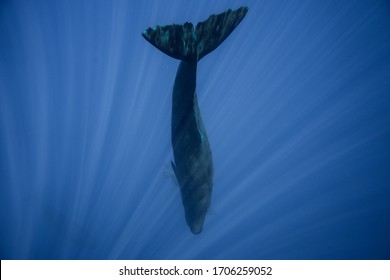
x: 296, y: 103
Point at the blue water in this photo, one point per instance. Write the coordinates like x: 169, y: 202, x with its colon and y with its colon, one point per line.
x: 296, y: 103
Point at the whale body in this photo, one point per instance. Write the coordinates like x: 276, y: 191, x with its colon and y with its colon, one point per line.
x: 193, y: 163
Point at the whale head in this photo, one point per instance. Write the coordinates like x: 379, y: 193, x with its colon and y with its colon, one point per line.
x: 196, y: 208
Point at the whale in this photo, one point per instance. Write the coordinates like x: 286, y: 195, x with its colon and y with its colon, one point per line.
x: 193, y: 162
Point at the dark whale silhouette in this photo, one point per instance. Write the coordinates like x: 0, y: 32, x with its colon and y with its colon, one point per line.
x: 193, y: 165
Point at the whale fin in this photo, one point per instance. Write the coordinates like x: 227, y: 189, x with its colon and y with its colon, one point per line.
x: 174, y: 170
x: 185, y: 42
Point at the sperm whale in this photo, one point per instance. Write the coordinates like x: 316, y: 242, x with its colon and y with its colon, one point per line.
x: 193, y: 163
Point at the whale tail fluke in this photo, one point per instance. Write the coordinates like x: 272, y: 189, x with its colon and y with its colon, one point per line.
x: 212, y: 32
x: 185, y: 42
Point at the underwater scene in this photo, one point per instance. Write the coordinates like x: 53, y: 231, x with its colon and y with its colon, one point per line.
x: 194, y: 129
